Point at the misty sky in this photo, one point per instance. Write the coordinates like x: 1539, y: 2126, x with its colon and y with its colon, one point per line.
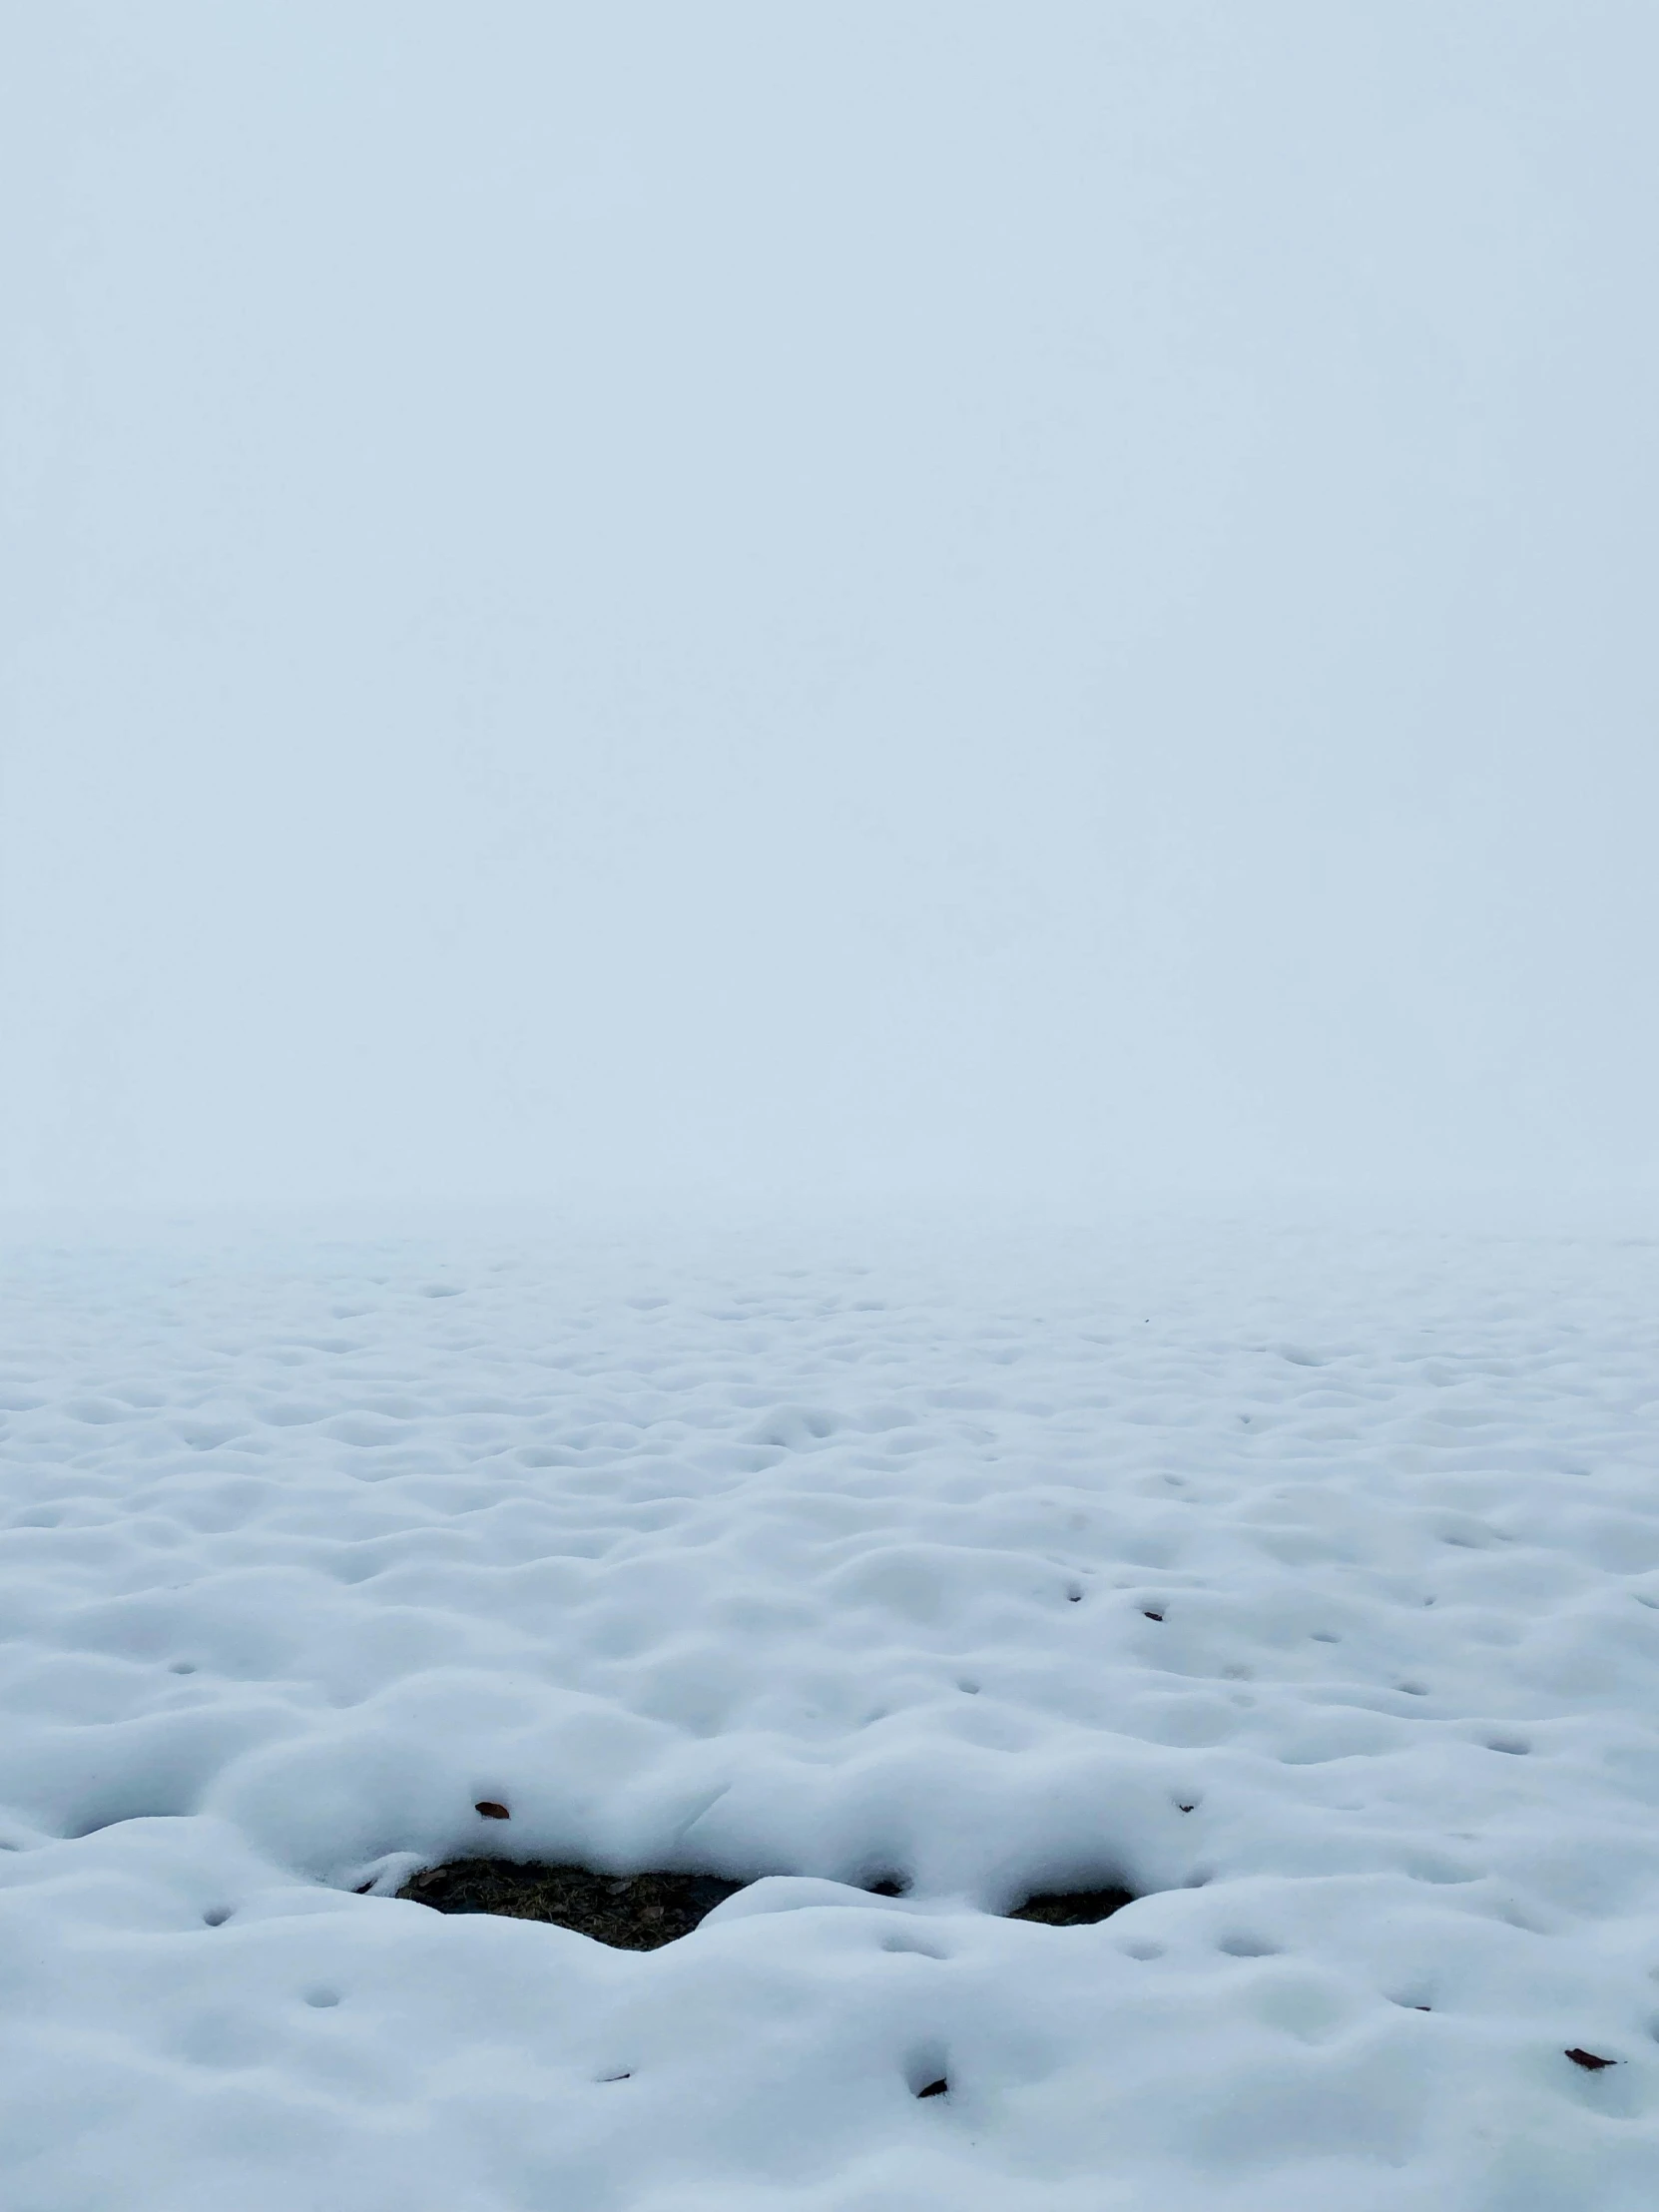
x: 1037, y: 596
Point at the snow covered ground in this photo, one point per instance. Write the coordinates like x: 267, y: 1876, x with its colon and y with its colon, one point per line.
x: 1305, y: 1581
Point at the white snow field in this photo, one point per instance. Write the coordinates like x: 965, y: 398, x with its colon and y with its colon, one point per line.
x: 1303, y: 1581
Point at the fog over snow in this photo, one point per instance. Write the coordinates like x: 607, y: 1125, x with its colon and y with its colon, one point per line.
x: 771, y: 597
x: 826, y: 944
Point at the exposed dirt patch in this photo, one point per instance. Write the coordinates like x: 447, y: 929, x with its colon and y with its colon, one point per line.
x: 642, y: 1911
x: 638, y: 1912
x: 1072, y: 1908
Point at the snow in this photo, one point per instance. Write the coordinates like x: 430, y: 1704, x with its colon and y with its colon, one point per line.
x: 1305, y: 1580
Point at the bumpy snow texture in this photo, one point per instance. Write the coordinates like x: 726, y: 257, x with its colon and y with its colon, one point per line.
x: 1303, y: 1585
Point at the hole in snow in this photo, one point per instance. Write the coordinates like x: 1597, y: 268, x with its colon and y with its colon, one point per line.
x: 1072, y: 1908
x: 1426, y: 1867
x: 1247, y: 1946
x: 639, y: 1911
x: 216, y: 1916
x: 925, y: 2072
x: 322, y: 2001
x: 887, y: 1886
x: 1517, y: 1746
x: 913, y: 1945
